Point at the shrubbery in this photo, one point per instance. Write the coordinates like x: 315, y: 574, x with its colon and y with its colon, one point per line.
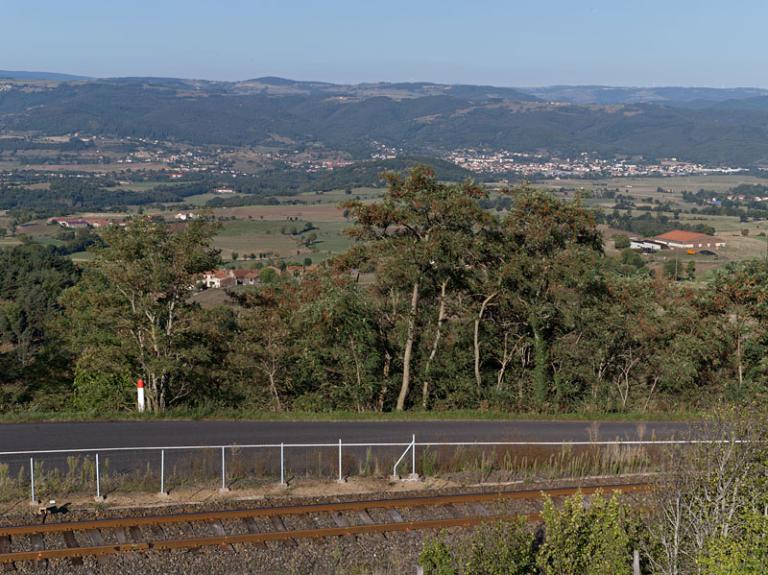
x: 577, y: 539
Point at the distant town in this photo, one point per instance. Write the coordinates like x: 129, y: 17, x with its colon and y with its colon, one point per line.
x: 503, y: 162
x: 94, y: 155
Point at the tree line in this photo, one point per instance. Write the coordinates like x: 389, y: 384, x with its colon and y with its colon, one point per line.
x: 439, y: 305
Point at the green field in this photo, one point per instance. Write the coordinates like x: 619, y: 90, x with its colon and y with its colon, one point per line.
x: 259, y: 236
x: 274, y: 229
x: 338, y: 196
x: 648, y: 186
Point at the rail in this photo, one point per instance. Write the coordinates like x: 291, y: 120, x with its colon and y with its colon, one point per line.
x: 127, y: 530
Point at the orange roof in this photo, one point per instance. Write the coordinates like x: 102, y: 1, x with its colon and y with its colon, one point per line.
x: 221, y: 274
x: 241, y: 273
x: 684, y: 236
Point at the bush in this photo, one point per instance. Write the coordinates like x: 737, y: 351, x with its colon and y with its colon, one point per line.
x: 581, y: 540
x: 102, y: 385
x: 673, y: 269
x: 502, y: 549
x: 744, y: 553
x: 621, y: 242
x: 436, y: 558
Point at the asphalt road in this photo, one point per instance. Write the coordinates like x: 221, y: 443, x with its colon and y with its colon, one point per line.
x: 105, y: 435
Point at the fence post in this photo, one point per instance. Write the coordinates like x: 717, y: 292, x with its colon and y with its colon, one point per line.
x: 341, y: 475
x: 413, y: 475
x: 98, y: 483
x: 32, y: 478
x: 223, y: 488
x: 162, y: 473
x: 282, y: 465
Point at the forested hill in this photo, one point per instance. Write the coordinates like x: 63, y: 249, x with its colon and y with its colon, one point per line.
x: 418, y: 118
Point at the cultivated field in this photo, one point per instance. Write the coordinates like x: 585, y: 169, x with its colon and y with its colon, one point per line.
x: 744, y: 239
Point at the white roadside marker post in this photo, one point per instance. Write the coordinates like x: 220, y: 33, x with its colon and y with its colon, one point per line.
x: 140, y: 395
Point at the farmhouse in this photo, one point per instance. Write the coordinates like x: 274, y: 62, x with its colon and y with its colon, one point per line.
x: 245, y: 277
x: 99, y: 222
x: 689, y: 240
x: 71, y: 223
x: 219, y: 279
x: 647, y: 246
x: 83, y: 223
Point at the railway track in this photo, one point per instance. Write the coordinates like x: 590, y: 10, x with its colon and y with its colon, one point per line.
x: 75, y: 540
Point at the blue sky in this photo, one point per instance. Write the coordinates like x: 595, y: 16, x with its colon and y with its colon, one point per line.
x: 508, y: 43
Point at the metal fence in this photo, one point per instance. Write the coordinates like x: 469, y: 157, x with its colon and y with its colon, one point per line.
x: 266, y: 462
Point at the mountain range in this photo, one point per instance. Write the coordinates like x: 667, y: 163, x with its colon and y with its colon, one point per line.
x: 710, y: 125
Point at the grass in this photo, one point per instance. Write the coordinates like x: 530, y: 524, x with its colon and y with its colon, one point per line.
x: 135, y: 472
x: 260, y: 236
x: 143, y: 186
x: 739, y: 247
x: 338, y: 196
x: 414, y: 415
x: 246, y: 237
x: 647, y: 187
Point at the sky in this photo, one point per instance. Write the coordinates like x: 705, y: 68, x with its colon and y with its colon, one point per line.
x: 714, y: 43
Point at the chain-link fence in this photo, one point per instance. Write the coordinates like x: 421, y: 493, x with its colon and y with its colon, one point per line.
x: 103, y: 471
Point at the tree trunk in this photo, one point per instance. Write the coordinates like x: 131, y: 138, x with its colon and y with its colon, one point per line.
x: 155, y: 398
x: 650, y: 394
x: 408, y: 352
x: 486, y: 301
x: 540, y: 363
x: 739, y: 352
x: 358, y: 374
x: 435, y: 343
x: 506, y: 357
x: 273, y: 388
x: 383, y: 389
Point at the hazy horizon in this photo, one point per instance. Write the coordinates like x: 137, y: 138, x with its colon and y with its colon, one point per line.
x: 521, y: 44
x: 320, y: 80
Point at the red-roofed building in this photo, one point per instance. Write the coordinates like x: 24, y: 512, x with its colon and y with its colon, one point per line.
x: 690, y: 240
x: 246, y: 277
x: 99, y: 222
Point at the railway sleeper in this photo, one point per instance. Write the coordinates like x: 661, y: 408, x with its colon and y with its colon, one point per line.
x: 97, y: 540
x: 219, y: 530
x: 341, y: 521
x: 71, y: 541
x: 279, y: 525
x: 38, y: 544
x: 5, y: 547
x: 366, y: 519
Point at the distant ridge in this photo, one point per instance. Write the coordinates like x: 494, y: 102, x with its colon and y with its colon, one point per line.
x: 580, y: 95
x: 718, y: 127
x: 611, y: 95
x: 26, y: 75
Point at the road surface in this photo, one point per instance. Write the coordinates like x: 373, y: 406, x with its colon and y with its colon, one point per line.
x: 105, y: 435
